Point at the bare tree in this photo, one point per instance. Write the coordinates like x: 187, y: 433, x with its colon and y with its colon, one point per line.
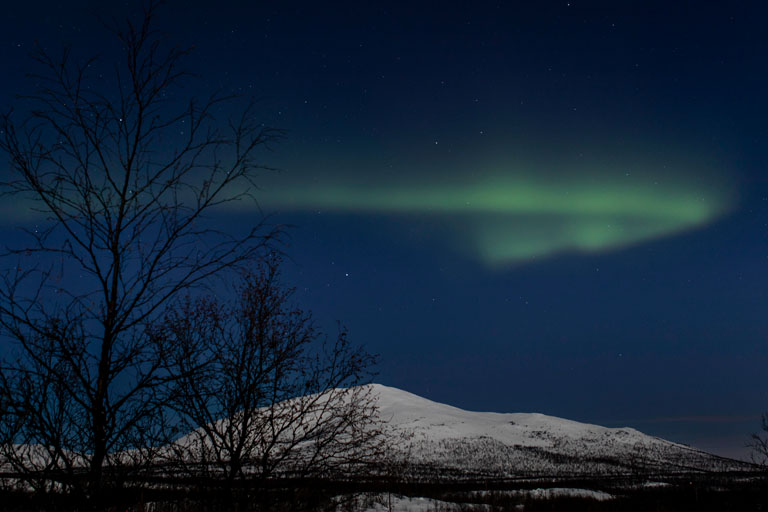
x: 759, y: 443
x: 263, y: 392
x: 121, y: 174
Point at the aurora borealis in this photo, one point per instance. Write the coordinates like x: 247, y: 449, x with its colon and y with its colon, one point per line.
x: 555, y: 206
x: 513, y: 217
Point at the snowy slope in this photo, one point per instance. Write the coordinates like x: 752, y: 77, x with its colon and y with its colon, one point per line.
x: 442, y: 439
x: 406, y: 410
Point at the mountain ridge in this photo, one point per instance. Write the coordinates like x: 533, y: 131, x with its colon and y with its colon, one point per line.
x: 444, y: 438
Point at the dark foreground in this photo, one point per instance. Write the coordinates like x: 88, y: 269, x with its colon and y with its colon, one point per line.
x: 683, y: 492
x: 694, y: 492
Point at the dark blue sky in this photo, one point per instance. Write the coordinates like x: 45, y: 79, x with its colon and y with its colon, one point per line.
x: 574, y: 280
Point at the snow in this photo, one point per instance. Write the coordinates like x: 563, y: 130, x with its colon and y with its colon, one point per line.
x: 406, y: 504
x: 406, y: 410
x: 567, y: 492
x: 504, y: 445
x: 395, y: 503
x: 438, y: 441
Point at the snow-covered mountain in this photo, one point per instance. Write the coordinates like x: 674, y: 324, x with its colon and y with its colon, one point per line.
x: 438, y: 439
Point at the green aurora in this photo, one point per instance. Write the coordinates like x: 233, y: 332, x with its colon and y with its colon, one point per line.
x: 507, y: 218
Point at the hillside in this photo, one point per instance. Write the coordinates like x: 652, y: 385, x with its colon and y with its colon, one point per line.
x: 444, y: 440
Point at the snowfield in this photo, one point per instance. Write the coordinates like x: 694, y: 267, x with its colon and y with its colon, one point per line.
x: 438, y: 443
x: 395, y: 503
x: 430, y: 440
x: 453, y: 442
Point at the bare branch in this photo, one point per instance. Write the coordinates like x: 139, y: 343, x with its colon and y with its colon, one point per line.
x: 127, y: 202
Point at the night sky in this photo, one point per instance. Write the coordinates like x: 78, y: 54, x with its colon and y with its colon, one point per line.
x: 558, y: 207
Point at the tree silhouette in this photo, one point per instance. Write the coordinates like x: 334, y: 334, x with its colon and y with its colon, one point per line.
x: 263, y: 393
x: 759, y: 443
x: 122, y: 173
